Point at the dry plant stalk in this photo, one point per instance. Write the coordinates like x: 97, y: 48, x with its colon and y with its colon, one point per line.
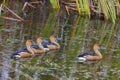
x: 25, y: 5
x: 13, y: 13
x: 9, y: 18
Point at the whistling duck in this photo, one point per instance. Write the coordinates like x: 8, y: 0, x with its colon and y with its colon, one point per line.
x: 40, y: 45
x: 38, y: 49
x: 52, y: 45
x: 26, y: 52
x: 91, y: 56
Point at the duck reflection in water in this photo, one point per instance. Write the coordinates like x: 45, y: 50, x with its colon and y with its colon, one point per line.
x: 91, y: 56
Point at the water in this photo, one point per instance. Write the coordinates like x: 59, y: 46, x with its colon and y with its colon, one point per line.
x: 78, y: 35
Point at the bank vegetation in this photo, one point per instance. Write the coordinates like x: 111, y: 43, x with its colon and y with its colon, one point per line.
x: 101, y: 9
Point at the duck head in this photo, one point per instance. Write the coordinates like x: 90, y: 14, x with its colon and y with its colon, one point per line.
x: 39, y: 39
x: 29, y: 42
x: 53, y: 38
x: 99, y: 46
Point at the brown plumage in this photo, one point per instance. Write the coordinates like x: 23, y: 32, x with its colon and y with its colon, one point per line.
x: 92, y: 56
x: 53, y: 44
x: 30, y: 50
x: 40, y: 50
x: 25, y: 52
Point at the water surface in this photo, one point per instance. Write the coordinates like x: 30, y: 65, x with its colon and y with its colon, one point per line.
x: 78, y: 34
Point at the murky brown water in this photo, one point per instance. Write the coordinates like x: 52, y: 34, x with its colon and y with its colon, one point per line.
x: 78, y: 35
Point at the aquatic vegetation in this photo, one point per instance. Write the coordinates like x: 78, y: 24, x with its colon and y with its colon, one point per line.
x: 107, y: 9
x: 55, y: 3
x: 84, y: 6
x: 95, y: 8
x: 78, y: 34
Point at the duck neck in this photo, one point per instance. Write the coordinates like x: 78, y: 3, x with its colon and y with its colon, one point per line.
x: 29, y: 47
x: 98, y: 54
x: 54, y: 42
x: 96, y: 51
x: 39, y: 44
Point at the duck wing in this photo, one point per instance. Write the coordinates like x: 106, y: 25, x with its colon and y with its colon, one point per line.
x: 86, y: 54
x: 21, y: 50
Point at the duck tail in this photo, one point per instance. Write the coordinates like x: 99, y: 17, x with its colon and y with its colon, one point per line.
x: 16, y: 54
x: 80, y: 59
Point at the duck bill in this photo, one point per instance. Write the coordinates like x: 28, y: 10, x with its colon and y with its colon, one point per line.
x: 103, y: 48
x: 58, y: 39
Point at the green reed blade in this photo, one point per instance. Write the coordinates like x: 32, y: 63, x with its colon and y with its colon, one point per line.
x: 112, y: 10
x: 102, y: 3
x: 107, y: 9
x: 87, y: 9
x: 55, y: 3
x: 81, y: 6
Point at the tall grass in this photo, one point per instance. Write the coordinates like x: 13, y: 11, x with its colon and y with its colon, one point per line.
x: 104, y: 8
x: 108, y: 9
x: 84, y: 5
